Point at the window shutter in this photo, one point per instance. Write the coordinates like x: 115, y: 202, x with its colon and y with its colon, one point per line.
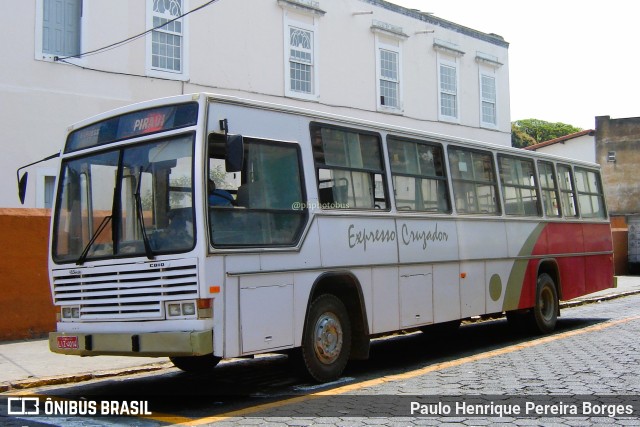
x: 72, y: 12
x: 61, y: 27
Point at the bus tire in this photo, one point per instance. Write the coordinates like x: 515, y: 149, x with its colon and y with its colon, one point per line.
x: 545, y: 311
x: 201, y: 364
x: 326, y: 342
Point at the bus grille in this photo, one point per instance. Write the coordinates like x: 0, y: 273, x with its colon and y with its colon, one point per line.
x: 125, y: 291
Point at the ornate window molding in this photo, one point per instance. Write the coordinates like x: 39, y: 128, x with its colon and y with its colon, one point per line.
x: 386, y: 29
x: 447, y: 47
x: 309, y: 7
x: 486, y: 59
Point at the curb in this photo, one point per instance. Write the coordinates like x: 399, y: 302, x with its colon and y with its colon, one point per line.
x: 76, y: 378
x: 583, y: 301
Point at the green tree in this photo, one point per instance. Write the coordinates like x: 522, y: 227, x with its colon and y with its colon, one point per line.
x: 520, y: 138
x: 532, y: 131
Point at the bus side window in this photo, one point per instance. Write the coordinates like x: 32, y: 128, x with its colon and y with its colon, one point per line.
x: 519, y: 190
x: 567, y: 192
x: 419, y: 177
x: 349, y: 168
x: 549, y: 186
x: 590, y: 194
x: 475, y: 186
x: 269, y: 197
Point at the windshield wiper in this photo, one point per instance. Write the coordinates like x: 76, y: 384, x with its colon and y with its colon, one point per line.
x: 94, y: 236
x: 145, y: 238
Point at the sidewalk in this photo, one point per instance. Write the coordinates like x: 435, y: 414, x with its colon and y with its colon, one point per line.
x: 28, y: 364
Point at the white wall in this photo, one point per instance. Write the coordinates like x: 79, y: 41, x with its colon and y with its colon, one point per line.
x: 234, y: 47
x: 580, y: 148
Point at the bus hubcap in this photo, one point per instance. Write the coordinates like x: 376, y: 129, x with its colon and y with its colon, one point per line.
x: 328, y: 338
x: 546, y: 304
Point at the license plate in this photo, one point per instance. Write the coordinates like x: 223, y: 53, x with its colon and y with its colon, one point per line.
x: 68, y: 342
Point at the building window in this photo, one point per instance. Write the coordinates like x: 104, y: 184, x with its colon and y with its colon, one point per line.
x: 488, y: 100
x: 300, y: 60
x: 45, y: 187
x: 61, y: 27
x: 448, y: 76
x: 388, y: 48
x: 300, y: 55
x: 167, y: 41
x: 389, y: 78
x: 49, y: 189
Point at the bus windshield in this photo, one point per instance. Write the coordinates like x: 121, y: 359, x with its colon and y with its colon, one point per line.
x: 131, y: 201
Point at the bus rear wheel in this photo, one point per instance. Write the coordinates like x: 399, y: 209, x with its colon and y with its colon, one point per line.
x: 545, y: 311
x: 326, y: 340
x: 201, y: 364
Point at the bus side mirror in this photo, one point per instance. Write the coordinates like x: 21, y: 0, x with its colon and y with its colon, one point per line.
x: 234, y: 153
x: 22, y: 187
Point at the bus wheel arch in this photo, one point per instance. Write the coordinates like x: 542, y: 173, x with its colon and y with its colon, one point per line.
x: 550, y: 267
x: 332, y: 296
x: 542, y: 316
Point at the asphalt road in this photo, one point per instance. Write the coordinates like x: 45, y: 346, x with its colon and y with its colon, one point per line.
x: 590, y: 365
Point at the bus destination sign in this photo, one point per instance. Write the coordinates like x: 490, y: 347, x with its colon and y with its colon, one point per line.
x: 133, y: 124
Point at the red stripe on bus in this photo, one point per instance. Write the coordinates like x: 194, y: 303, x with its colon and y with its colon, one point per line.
x: 580, y: 274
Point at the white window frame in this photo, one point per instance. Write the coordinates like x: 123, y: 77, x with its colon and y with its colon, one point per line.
x: 393, y: 46
x: 488, y: 74
x: 151, y: 71
x: 39, y: 33
x: 290, y: 21
x: 41, y: 176
x: 453, y: 63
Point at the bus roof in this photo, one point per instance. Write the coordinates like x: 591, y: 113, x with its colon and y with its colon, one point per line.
x: 322, y: 115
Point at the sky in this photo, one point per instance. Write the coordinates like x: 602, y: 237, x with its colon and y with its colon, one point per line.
x: 569, y: 60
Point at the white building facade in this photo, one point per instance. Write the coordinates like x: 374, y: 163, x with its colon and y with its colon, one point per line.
x: 369, y: 59
x: 579, y: 146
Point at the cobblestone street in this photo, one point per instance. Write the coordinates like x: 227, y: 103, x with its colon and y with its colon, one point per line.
x: 590, y: 366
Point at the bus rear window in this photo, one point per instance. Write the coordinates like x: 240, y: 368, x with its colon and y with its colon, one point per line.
x: 590, y: 194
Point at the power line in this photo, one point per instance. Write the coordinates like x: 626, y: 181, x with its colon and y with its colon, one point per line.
x: 132, y: 38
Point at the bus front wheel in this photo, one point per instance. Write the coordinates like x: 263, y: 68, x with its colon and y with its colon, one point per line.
x: 545, y: 311
x: 204, y: 363
x: 327, y: 338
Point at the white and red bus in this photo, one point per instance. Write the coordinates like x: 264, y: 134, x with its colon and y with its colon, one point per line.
x: 203, y: 227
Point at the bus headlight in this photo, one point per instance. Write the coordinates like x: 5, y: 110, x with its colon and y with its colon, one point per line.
x: 188, y: 308
x: 192, y: 309
x: 174, y: 310
x: 70, y: 312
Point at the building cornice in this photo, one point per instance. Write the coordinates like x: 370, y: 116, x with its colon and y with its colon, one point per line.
x: 434, y: 20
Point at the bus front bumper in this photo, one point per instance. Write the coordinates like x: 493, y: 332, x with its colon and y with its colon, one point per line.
x: 152, y: 344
